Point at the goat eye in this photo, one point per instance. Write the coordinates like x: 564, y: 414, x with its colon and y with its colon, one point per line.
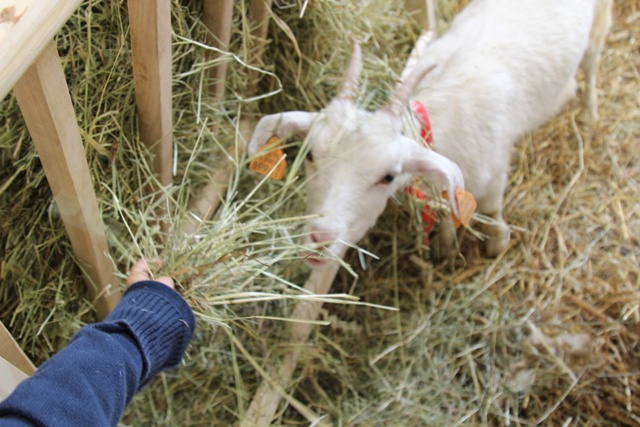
x: 310, y: 156
x: 387, y: 179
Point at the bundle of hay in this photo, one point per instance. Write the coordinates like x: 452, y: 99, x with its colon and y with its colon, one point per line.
x: 546, y: 334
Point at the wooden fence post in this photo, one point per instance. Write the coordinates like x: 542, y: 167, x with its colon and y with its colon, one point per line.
x: 150, y: 22
x: 45, y: 103
x: 267, y: 398
x: 425, y: 13
x: 217, y: 15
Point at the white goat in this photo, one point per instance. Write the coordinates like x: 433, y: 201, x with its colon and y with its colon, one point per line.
x: 503, y: 68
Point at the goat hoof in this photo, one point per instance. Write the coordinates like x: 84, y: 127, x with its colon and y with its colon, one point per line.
x: 444, y: 250
x: 498, y: 241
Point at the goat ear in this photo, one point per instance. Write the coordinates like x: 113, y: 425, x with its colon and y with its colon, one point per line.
x: 439, y: 170
x: 283, y: 125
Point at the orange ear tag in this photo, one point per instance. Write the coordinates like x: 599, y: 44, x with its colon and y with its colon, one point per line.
x: 266, y: 162
x: 466, y: 207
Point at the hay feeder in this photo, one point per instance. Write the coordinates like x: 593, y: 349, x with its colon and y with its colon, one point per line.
x: 30, y: 65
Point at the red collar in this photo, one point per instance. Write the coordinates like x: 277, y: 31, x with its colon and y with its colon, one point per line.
x: 428, y: 215
x: 425, y: 128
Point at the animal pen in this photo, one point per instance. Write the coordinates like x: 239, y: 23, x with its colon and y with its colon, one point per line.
x: 125, y: 138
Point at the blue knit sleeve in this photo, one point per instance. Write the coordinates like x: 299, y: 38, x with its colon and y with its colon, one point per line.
x: 91, y: 381
x: 161, y: 324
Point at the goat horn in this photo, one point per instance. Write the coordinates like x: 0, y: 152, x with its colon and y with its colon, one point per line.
x: 349, y: 87
x: 400, y: 98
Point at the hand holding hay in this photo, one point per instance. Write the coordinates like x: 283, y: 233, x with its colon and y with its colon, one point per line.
x: 140, y: 272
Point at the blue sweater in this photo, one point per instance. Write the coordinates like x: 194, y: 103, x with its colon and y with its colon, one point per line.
x: 91, y: 381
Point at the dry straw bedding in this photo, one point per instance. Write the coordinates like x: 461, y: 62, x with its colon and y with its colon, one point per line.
x: 546, y: 334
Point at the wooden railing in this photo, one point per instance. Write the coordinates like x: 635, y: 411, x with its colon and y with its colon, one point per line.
x: 30, y: 65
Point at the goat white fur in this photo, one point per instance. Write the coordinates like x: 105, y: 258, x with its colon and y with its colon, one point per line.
x: 501, y: 70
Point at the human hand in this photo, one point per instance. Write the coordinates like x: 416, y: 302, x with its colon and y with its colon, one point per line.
x: 140, y: 271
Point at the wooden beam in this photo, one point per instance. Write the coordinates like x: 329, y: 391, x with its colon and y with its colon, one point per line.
x: 425, y: 13
x: 217, y: 15
x: 260, y: 11
x: 267, y: 398
x: 150, y: 22
x: 431, y: 16
x: 203, y: 204
x: 15, y: 366
x: 45, y: 103
x: 26, y: 27
x: 11, y: 377
x: 12, y: 353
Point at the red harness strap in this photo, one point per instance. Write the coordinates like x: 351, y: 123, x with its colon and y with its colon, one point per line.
x: 425, y: 129
x: 428, y: 215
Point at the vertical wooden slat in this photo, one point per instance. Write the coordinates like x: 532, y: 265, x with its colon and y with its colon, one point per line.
x: 150, y: 22
x: 45, y: 103
x: 203, y: 204
x: 425, y: 13
x: 11, y: 378
x: 12, y: 353
x: 431, y: 16
x: 269, y: 394
x: 15, y: 366
x: 259, y: 11
x: 217, y: 15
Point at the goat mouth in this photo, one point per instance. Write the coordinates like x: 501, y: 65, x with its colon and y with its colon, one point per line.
x: 313, y: 259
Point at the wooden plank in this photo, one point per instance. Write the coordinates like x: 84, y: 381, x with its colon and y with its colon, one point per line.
x: 203, y: 204
x: 425, y: 13
x: 217, y: 15
x: 267, y: 398
x: 43, y: 97
x: 11, y: 351
x: 26, y: 26
x: 150, y: 22
x: 431, y: 16
x: 260, y: 11
x: 15, y: 366
x: 11, y: 377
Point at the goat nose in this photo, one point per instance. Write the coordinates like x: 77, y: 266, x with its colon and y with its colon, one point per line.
x: 321, y: 236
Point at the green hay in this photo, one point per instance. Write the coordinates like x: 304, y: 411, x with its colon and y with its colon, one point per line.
x: 546, y: 334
